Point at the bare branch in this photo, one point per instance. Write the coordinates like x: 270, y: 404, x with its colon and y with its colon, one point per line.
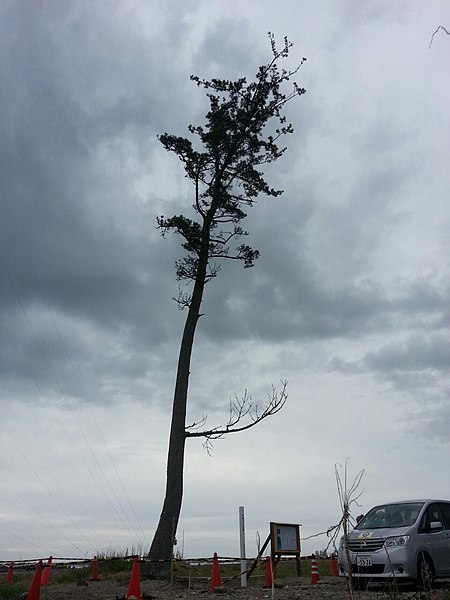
x: 443, y: 29
x: 224, y: 237
x: 239, y: 409
x: 198, y: 424
x: 183, y: 300
x: 348, y: 495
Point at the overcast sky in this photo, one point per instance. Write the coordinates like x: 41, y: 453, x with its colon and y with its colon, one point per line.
x: 349, y: 301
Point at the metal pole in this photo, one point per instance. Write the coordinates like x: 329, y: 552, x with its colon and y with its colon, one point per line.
x: 242, y: 542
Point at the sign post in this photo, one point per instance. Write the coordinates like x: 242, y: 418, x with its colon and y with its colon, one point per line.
x: 242, y: 542
x: 285, y: 540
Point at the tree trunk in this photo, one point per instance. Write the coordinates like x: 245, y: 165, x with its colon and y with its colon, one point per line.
x: 161, y: 550
x: 162, y: 545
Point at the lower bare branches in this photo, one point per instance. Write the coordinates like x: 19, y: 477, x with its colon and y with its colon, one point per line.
x: 349, y: 495
x: 243, y: 414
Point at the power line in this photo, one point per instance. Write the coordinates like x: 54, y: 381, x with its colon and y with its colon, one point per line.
x: 61, y: 426
x: 35, y: 281
x: 42, y: 482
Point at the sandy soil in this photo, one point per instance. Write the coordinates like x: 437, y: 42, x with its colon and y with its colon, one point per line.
x: 299, y: 589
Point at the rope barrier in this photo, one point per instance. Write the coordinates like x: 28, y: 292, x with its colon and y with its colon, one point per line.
x: 68, y: 561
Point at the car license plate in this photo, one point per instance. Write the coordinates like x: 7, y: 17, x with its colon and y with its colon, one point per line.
x: 364, y: 561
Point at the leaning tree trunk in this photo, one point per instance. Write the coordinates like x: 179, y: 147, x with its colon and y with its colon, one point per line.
x: 162, y: 545
x: 161, y: 550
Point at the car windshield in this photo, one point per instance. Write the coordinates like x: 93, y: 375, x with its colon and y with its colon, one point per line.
x: 391, y: 515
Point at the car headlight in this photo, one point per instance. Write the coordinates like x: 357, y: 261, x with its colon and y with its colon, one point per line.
x: 400, y: 540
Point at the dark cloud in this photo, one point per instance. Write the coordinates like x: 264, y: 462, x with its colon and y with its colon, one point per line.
x: 227, y: 50
x: 81, y: 118
x: 82, y: 101
x: 417, y: 353
x: 418, y: 365
x: 63, y: 202
x: 349, y: 297
x: 430, y: 418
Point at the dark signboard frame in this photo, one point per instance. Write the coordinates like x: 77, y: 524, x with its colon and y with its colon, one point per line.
x: 285, y: 539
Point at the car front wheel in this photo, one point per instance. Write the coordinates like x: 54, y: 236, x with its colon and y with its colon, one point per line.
x: 425, y: 573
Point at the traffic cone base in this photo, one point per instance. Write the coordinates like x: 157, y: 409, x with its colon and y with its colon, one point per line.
x: 334, y: 567
x: 10, y: 574
x: 314, y: 572
x: 269, y: 578
x: 94, y: 574
x: 216, y: 581
x: 34, y: 592
x: 134, y: 587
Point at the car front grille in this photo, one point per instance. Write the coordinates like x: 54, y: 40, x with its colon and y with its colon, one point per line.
x: 369, y: 545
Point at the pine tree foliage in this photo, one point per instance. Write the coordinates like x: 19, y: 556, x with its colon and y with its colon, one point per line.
x: 235, y: 143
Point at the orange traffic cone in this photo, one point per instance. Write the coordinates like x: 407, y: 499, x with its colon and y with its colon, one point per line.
x: 34, y: 593
x: 314, y: 572
x: 134, y: 587
x: 46, y: 572
x: 215, y: 574
x: 10, y: 574
x: 94, y: 575
x: 269, y: 578
x: 334, y: 566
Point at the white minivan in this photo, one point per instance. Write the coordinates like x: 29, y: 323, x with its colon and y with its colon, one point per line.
x: 407, y: 540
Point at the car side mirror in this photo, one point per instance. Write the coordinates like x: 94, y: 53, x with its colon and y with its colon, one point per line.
x: 435, y: 525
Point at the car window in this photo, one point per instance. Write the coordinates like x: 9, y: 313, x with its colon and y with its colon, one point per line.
x: 445, y: 509
x: 391, y: 515
x: 431, y: 515
x: 411, y: 515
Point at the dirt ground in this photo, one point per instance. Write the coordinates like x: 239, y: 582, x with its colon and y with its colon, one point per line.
x: 329, y: 588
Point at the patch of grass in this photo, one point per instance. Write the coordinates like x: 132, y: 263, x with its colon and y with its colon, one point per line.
x: 118, y: 569
x: 69, y: 574
x: 109, y: 568
x: 229, y: 570
x: 12, y: 590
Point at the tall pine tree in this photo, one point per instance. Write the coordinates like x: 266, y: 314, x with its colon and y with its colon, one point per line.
x: 243, y: 128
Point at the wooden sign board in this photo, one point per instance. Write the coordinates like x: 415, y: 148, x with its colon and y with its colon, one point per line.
x: 285, y: 539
